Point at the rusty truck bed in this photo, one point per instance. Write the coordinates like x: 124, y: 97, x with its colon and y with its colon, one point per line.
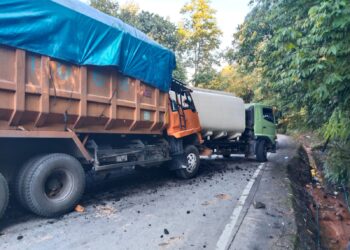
x: 38, y: 93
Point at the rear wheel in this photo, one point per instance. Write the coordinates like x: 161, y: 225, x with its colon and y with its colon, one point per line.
x: 190, y: 161
x: 4, y: 195
x: 261, y: 151
x: 51, y: 185
x: 19, y: 180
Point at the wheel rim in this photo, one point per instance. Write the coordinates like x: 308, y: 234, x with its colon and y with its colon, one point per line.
x: 191, y: 162
x: 58, y: 185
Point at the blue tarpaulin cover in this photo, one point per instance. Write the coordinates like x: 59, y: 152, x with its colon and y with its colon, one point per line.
x: 72, y: 31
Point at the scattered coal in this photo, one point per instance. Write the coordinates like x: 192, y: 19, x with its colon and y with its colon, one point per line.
x: 259, y: 205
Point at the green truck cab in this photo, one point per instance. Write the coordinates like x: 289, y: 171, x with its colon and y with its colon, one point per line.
x: 257, y: 140
x: 265, y: 132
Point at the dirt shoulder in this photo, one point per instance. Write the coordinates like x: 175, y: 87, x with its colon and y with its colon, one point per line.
x: 326, y: 201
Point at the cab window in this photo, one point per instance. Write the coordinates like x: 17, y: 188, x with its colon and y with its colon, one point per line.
x: 183, y: 101
x: 268, y: 115
x: 188, y: 102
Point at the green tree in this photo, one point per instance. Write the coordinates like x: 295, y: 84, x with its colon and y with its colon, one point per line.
x: 200, y: 38
x: 129, y: 12
x: 301, y: 48
x: 110, y: 7
x: 232, y: 79
x: 180, y: 73
x: 160, y: 29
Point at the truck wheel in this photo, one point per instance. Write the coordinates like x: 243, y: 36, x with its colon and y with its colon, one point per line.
x: 261, y: 151
x: 52, y: 185
x: 191, y: 161
x: 19, y: 180
x: 4, y: 195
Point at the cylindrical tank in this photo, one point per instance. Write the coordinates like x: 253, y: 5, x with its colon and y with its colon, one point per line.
x: 221, y: 114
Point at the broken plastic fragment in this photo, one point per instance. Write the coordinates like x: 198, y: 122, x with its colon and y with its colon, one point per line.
x: 79, y: 209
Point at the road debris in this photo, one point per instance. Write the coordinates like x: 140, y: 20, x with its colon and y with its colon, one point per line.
x: 79, y: 209
x: 105, y: 211
x: 207, y: 203
x: 333, y: 218
x: 259, y: 205
x: 224, y: 197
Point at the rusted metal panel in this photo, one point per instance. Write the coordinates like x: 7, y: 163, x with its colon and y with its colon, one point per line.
x: 38, y: 93
x: 49, y: 135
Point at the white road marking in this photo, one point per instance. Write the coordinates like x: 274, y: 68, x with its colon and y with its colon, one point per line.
x: 227, y: 235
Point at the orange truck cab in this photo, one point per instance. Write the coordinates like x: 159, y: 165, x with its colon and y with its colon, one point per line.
x: 183, y: 131
x: 183, y: 116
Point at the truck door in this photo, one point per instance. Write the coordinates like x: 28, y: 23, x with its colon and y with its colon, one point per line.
x: 183, y: 116
x: 268, y: 123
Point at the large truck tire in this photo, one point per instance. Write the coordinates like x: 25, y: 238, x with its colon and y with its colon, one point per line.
x: 18, y: 193
x: 4, y: 195
x: 261, y: 151
x: 51, y: 185
x: 192, y: 161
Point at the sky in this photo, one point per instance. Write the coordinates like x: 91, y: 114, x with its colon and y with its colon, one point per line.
x: 230, y: 13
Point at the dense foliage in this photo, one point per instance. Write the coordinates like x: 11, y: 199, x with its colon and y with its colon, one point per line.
x: 301, y: 48
x: 109, y: 7
x: 231, y: 79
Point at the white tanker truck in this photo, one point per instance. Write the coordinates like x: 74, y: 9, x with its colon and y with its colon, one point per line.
x: 231, y: 127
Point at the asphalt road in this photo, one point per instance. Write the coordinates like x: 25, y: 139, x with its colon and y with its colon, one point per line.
x: 140, y: 210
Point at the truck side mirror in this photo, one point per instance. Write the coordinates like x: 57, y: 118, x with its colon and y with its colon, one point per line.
x: 278, y: 116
